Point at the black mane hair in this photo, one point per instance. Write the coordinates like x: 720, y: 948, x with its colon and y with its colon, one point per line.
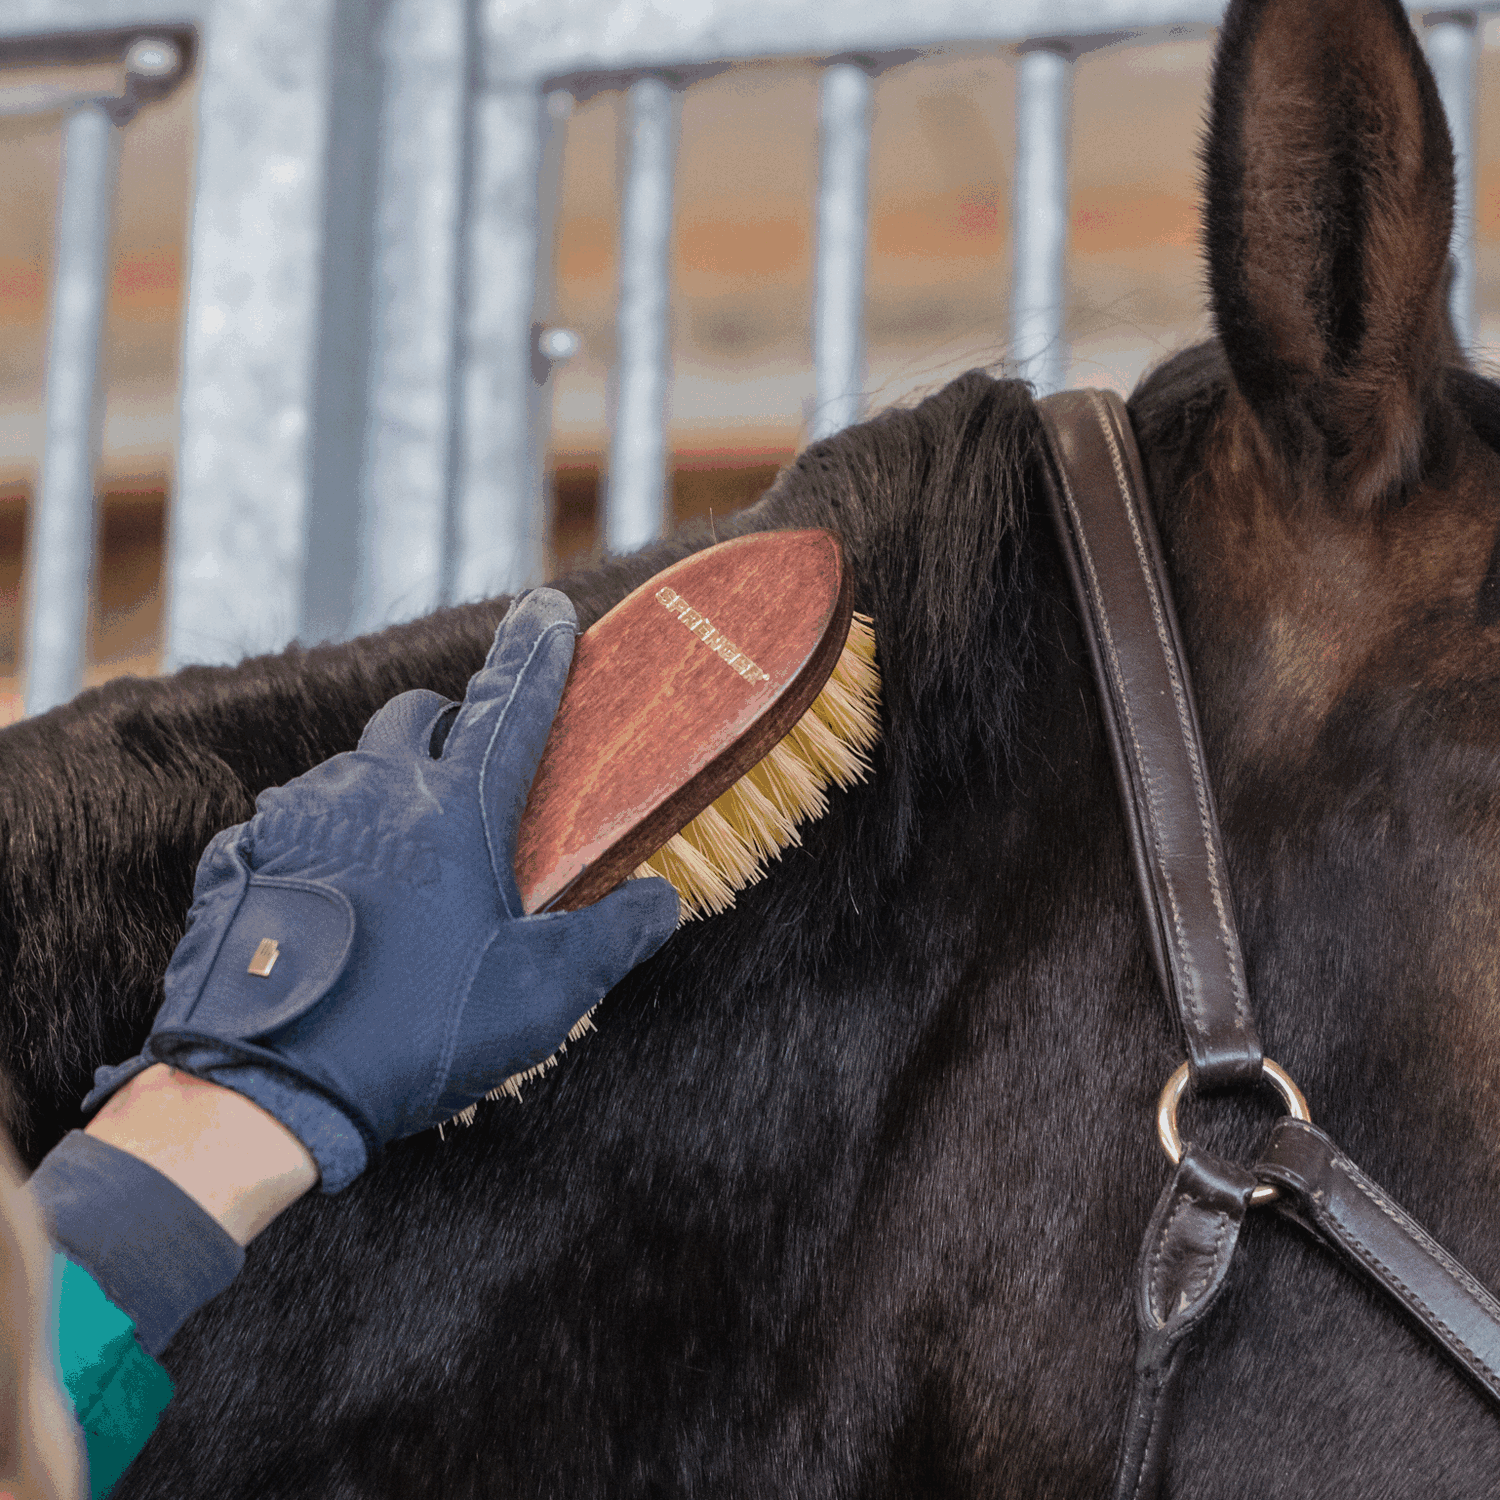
x: 701, y: 1174
x: 1171, y: 410
x: 106, y: 802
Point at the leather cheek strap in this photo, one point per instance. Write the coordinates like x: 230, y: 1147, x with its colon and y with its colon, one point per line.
x: 1097, y: 490
x: 1184, y: 1262
x: 1322, y: 1190
x: 1095, y: 484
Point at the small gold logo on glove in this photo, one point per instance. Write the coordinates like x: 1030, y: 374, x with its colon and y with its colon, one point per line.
x: 266, y: 954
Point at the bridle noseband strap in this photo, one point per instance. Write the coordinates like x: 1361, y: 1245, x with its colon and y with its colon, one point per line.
x: 1097, y: 490
x: 1098, y: 495
x: 1327, y: 1194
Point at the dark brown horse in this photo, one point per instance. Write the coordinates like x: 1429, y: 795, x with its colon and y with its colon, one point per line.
x: 844, y: 1197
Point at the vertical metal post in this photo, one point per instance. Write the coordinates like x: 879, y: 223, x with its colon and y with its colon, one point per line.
x: 1452, y: 48
x: 636, y: 489
x: 253, y: 356
x: 1044, y: 99
x: 843, y: 238
x: 338, y: 418
x: 498, y: 531
x: 406, y: 466
x: 550, y: 347
x: 60, y: 547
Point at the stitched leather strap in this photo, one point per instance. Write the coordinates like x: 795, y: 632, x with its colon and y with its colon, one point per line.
x: 1097, y: 491
x: 1184, y: 1260
x: 1329, y: 1196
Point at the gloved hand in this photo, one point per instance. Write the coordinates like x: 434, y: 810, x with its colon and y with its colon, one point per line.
x: 407, y: 981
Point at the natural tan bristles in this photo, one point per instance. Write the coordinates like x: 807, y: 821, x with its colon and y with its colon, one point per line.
x: 729, y: 844
x: 685, y: 864
x: 762, y: 828
x: 512, y: 1085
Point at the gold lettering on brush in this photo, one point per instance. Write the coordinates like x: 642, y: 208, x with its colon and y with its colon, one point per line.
x: 701, y: 626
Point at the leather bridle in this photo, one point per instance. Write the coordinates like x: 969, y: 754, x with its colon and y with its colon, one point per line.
x: 1097, y: 490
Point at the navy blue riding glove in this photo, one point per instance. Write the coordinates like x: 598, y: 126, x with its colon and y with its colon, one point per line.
x: 357, y: 960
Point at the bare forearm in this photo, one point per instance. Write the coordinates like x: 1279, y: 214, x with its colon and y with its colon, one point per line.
x: 232, y: 1158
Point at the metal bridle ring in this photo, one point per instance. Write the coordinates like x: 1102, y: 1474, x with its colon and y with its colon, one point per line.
x: 1166, y: 1116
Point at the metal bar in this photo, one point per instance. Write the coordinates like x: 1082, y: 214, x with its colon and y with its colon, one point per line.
x: 551, y: 347
x: 843, y: 239
x: 251, y: 364
x: 1452, y: 51
x: 406, y: 466
x: 22, y: 100
x: 343, y: 326
x: 1039, y: 239
x: 580, y: 38
x: 499, y: 533
x: 60, y: 546
x: 636, y: 490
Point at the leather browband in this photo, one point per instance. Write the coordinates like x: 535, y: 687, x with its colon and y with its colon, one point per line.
x: 1098, y: 494
x: 1097, y: 491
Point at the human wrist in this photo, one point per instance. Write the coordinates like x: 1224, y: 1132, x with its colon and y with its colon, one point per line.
x: 237, y: 1162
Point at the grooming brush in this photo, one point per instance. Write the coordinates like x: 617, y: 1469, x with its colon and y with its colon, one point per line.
x: 704, y: 718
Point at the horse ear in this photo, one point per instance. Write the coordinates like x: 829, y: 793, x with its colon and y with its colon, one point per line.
x: 1329, y: 176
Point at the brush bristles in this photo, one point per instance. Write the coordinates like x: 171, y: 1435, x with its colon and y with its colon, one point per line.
x: 512, y: 1085
x: 730, y: 843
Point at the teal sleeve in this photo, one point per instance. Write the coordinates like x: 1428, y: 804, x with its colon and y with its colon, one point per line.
x: 117, y: 1389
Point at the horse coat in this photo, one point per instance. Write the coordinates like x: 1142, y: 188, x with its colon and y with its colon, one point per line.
x: 844, y: 1196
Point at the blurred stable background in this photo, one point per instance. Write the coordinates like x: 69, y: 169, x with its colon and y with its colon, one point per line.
x: 742, y: 393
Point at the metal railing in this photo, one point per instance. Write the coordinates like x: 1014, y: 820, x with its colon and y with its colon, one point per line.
x: 59, y: 552
x: 368, y: 346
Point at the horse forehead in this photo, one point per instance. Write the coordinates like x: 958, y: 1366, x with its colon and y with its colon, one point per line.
x: 1300, y: 623
x: 1310, y: 604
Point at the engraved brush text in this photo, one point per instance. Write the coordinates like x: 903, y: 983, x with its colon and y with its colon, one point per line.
x: 675, y: 604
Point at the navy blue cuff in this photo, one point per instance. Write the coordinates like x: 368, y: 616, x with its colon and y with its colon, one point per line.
x: 155, y: 1253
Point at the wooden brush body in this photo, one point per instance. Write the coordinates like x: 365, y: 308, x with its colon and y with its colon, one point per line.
x: 673, y: 696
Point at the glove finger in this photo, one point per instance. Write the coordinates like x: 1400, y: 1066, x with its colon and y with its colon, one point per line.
x: 623, y: 929
x: 535, y: 642
x: 503, y: 726
x: 592, y: 950
x: 405, y: 723
x: 218, y: 862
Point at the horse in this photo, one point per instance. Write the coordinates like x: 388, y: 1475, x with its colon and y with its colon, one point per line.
x: 844, y: 1196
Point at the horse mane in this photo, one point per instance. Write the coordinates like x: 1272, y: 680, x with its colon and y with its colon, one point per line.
x: 106, y: 802
x: 1171, y: 409
x: 677, y: 1182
